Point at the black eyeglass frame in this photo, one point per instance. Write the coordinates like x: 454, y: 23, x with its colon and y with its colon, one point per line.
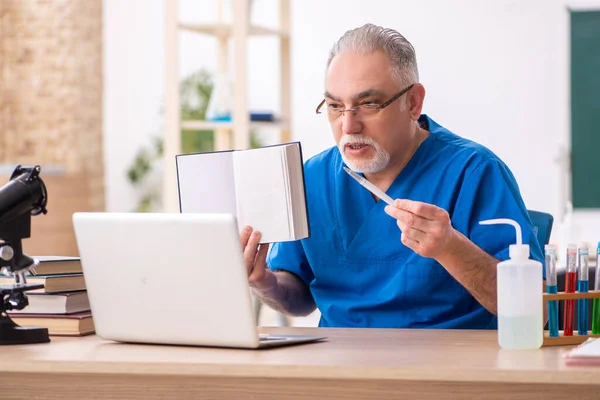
x: 382, y: 106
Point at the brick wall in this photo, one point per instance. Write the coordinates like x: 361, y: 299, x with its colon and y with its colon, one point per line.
x: 51, y: 88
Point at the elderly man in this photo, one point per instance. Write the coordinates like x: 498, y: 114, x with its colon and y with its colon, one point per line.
x: 424, y: 262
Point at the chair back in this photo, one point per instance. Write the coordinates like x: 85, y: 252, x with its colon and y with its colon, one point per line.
x: 542, y: 226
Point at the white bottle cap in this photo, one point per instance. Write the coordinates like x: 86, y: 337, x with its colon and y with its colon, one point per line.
x: 518, y: 251
x: 550, y: 250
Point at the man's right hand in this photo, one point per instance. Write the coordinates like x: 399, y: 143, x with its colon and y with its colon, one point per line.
x: 255, y: 257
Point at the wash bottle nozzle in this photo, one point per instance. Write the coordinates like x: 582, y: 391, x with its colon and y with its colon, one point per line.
x: 518, y: 250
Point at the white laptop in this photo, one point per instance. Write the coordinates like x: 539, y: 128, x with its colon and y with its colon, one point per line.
x: 169, y: 279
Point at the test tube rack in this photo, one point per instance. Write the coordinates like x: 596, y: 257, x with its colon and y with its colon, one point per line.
x: 561, y: 339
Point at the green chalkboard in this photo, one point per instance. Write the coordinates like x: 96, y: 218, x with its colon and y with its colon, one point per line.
x: 585, y: 108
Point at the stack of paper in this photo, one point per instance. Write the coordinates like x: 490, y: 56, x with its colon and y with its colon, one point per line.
x: 587, y: 353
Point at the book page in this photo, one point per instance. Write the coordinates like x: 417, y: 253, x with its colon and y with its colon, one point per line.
x: 206, y: 183
x: 262, y: 191
x: 298, y: 192
x: 589, y: 348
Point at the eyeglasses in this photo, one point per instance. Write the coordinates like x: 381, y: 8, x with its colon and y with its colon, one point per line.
x: 367, y: 108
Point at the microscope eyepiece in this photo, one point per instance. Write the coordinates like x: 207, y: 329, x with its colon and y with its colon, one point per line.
x: 24, y: 193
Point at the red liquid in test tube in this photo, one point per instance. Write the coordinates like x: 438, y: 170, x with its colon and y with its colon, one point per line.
x: 570, y: 287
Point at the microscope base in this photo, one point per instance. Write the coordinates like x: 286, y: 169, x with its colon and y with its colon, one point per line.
x: 11, y: 333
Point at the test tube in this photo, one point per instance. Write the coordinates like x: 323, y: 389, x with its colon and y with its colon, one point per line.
x: 551, y: 287
x: 596, y: 303
x: 582, y: 287
x: 571, y: 279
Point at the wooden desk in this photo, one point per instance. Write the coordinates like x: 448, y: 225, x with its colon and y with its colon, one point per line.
x: 352, y: 364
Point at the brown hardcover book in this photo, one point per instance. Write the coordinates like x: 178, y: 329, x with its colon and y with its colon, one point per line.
x: 58, y: 265
x: 52, y: 283
x: 79, y: 324
x: 55, y: 303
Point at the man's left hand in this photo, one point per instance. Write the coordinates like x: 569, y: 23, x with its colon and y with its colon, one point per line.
x: 426, y: 228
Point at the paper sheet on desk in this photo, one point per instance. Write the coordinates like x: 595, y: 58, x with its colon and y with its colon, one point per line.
x: 587, y: 353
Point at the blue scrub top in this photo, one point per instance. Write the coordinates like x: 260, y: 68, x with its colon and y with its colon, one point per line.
x: 359, y: 272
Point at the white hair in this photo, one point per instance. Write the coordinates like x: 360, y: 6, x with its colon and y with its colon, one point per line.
x: 370, y: 38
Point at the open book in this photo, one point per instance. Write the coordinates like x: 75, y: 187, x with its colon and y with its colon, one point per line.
x: 262, y: 187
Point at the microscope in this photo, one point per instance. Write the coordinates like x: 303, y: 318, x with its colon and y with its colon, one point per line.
x: 23, y: 196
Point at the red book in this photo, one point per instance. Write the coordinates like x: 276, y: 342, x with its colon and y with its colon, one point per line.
x: 59, y: 325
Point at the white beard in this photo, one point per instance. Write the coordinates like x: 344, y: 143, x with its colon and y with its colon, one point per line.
x: 377, y: 163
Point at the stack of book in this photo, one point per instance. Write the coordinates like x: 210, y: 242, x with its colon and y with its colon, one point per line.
x: 62, y: 305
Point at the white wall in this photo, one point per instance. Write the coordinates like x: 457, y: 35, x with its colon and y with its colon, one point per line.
x: 133, y: 76
x: 134, y: 80
x: 496, y: 71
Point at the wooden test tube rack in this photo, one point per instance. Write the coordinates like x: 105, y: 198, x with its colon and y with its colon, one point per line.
x: 576, y: 339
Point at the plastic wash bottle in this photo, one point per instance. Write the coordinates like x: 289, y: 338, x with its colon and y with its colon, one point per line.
x: 520, y: 301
